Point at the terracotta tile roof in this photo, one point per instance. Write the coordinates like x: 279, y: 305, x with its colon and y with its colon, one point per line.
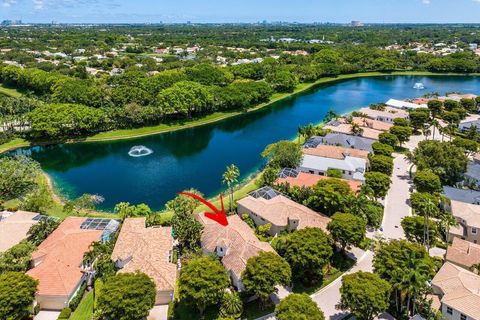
x: 61, y: 256
x: 460, y: 288
x: 336, y: 152
x: 347, y: 128
x: 309, y: 180
x: 373, y: 124
x: 280, y: 209
x: 466, y: 211
x: 147, y: 250
x: 387, y: 113
x: 237, y: 237
x: 463, y: 253
x: 14, y: 227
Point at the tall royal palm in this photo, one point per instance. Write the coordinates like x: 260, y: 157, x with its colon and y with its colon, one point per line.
x: 230, y: 177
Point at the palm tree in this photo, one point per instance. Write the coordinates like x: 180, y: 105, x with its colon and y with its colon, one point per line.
x: 356, y: 129
x: 231, y: 306
x: 429, y: 209
x: 434, y: 126
x: 230, y: 177
x: 301, y: 133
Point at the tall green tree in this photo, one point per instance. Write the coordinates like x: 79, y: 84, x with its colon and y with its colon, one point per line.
x: 17, y: 293
x: 230, y: 177
x: 299, y: 307
x: 347, y: 229
x: 18, y: 176
x: 402, y: 133
x: 364, y: 294
x: 202, y: 282
x: 40, y: 231
x: 377, y: 184
x: 127, y: 296
x: 231, y: 306
x: 308, y: 251
x: 329, y: 196
x: 408, y: 267
x: 283, y: 154
x: 263, y: 273
x: 427, y: 181
x: 444, y: 159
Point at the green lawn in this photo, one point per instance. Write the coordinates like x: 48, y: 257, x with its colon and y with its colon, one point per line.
x: 14, y: 93
x: 84, y: 310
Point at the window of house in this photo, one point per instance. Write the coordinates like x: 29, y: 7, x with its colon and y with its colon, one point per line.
x: 311, y: 171
x: 463, y: 317
x: 449, y: 310
x: 474, y: 230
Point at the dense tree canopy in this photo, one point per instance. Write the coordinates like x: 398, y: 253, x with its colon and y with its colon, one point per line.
x: 364, y: 294
x: 445, y: 159
x: 283, y: 154
x: 264, y: 272
x: 299, y: 307
x: 202, y: 282
x: 308, y: 251
x: 347, y: 229
x: 17, y: 176
x: 329, y: 196
x: 127, y: 296
x: 17, y: 293
x: 56, y: 121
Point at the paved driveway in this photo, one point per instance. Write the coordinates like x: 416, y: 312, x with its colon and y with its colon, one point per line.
x: 329, y: 297
x: 158, y: 313
x: 396, y: 203
x: 47, y: 315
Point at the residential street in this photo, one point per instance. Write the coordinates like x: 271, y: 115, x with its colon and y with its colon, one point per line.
x: 396, y: 204
x: 329, y: 297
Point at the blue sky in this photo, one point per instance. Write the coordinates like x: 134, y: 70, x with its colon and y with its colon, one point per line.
x: 116, y: 11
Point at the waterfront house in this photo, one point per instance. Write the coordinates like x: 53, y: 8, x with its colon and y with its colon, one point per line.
x: 400, y: 104
x: 459, y: 292
x: 352, y: 163
x: 234, y: 244
x: 14, y: 227
x: 58, y: 261
x: 463, y: 253
x: 341, y: 139
x: 386, y: 115
x: 295, y: 178
x: 267, y: 205
x: 148, y: 250
x: 346, y: 128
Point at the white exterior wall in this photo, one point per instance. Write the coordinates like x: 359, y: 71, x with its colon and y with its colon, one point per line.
x: 259, y: 221
x: 347, y: 175
x: 48, y: 302
x: 455, y: 314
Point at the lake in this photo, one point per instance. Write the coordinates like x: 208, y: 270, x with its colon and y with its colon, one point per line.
x: 197, y: 157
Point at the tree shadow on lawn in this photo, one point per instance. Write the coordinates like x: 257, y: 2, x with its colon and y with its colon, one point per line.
x: 340, y: 263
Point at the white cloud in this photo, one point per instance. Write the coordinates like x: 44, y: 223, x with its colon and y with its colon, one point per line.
x: 38, y: 4
x: 426, y: 2
x: 8, y: 3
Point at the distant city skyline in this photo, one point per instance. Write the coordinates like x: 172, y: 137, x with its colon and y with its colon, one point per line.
x: 148, y: 11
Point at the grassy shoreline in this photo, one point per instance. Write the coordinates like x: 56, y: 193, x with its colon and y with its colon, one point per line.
x: 249, y: 184
x: 125, y: 134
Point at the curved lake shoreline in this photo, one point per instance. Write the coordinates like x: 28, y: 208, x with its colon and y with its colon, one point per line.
x: 125, y: 134
x: 183, y: 159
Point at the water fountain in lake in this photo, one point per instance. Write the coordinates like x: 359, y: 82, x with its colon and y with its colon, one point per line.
x: 419, y: 86
x: 139, y: 151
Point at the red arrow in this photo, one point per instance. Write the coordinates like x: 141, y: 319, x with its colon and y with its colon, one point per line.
x: 217, y: 215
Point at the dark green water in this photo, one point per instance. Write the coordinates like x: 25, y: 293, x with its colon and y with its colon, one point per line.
x: 197, y: 157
